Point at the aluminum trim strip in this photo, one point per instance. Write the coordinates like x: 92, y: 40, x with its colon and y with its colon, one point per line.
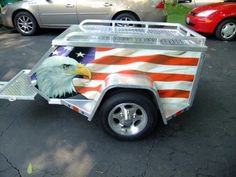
x: 196, y: 79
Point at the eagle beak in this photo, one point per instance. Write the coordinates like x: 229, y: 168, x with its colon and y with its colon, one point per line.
x: 83, y: 70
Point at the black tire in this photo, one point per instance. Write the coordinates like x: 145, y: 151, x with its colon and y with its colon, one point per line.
x: 221, y: 29
x: 142, y: 118
x: 126, y: 17
x: 25, y: 24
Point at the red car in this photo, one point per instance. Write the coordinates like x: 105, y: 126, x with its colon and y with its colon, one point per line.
x: 218, y: 19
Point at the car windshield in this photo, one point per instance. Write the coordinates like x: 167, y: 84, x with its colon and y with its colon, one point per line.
x: 229, y: 0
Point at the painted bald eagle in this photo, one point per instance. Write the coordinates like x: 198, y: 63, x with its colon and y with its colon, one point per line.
x: 55, y: 75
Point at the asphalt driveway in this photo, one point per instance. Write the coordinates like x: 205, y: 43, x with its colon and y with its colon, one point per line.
x: 61, y: 143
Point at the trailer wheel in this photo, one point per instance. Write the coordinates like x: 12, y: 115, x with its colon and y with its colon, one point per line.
x: 128, y: 115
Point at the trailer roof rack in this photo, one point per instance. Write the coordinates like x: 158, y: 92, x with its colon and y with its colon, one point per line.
x: 152, y: 35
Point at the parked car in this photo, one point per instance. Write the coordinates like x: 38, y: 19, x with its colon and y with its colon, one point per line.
x: 218, y: 19
x: 29, y: 15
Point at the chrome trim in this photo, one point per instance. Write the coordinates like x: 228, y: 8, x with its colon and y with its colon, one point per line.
x: 127, y: 122
x: 54, y: 14
x: 196, y: 79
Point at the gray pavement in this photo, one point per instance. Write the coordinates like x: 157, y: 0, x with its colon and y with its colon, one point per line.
x: 61, y: 143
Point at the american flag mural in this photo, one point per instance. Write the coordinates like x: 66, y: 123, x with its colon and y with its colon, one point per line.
x: 172, y: 72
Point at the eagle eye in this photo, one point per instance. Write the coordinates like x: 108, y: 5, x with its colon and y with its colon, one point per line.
x: 66, y: 66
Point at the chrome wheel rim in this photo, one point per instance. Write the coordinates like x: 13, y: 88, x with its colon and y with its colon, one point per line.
x: 25, y: 24
x: 228, y: 30
x: 127, y: 119
x: 126, y: 19
x: 125, y: 25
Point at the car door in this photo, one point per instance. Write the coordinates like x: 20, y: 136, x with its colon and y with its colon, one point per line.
x: 57, y: 13
x: 95, y: 9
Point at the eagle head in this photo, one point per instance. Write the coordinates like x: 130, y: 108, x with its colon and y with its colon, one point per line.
x: 55, y: 75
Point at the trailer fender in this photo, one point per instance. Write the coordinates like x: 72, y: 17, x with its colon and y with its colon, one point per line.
x: 140, y: 83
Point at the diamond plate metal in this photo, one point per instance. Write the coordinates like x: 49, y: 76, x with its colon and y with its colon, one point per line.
x: 18, y: 88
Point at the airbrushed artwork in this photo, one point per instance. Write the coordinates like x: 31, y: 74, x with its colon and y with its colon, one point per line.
x: 69, y: 71
x: 57, y: 74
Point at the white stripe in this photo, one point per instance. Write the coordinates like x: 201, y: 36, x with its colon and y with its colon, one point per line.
x: 143, y: 66
x: 174, y: 100
x: 177, y: 85
x: 115, y: 52
x: 145, y: 52
x: 86, y: 83
x: 93, y: 95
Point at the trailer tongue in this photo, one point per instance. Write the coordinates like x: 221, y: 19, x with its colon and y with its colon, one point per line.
x: 127, y: 73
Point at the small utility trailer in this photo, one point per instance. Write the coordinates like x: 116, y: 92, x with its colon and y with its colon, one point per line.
x: 127, y: 73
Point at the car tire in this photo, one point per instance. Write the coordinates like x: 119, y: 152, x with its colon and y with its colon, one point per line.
x: 128, y: 115
x: 126, y: 17
x: 25, y: 23
x: 226, y: 30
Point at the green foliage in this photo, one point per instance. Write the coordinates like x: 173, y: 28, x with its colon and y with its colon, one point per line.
x: 177, y: 13
x: 4, y: 2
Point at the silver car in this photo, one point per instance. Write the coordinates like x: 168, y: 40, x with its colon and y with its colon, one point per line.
x: 28, y: 16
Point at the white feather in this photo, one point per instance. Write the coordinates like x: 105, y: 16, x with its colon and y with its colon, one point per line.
x: 52, y: 78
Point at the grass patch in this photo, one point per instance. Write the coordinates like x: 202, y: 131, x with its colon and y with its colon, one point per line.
x: 176, y: 14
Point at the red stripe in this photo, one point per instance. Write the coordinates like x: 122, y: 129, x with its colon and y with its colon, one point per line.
x: 173, y: 93
x: 179, y: 112
x: 171, y: 77
x: 155, y: 59
x: 100, y: 49
x: 87, y: 89
x: 154, y: 76
x: 76, y: 109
